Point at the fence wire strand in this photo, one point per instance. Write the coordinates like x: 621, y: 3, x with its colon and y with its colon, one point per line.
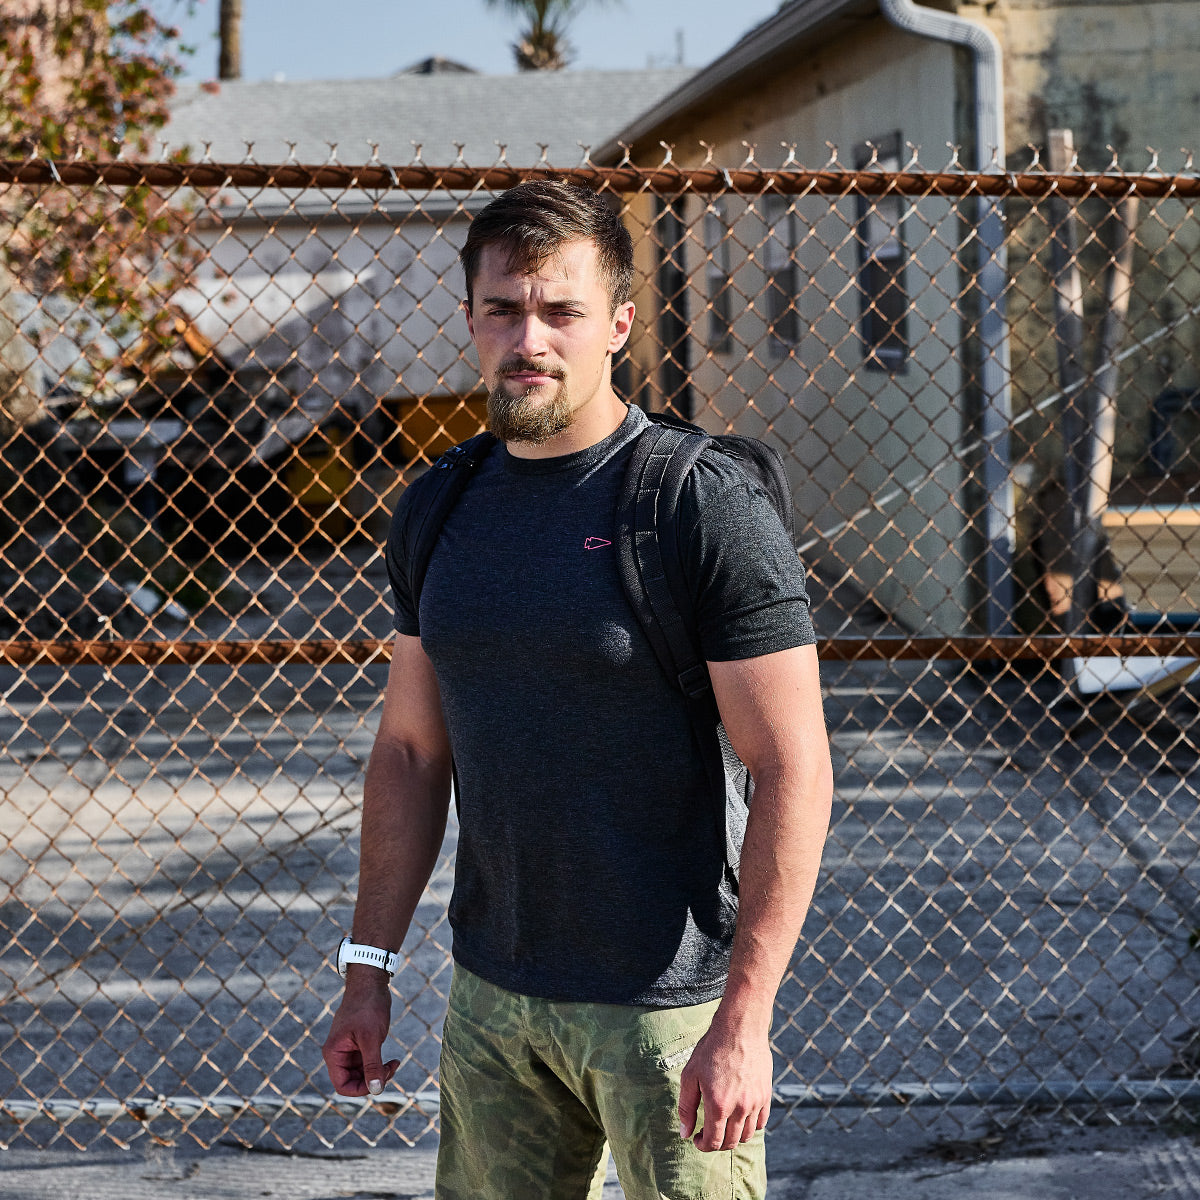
x: 194, y: 490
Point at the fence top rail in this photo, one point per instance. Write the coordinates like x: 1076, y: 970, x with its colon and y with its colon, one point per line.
x: 669, y: 179
x: 322, y: 652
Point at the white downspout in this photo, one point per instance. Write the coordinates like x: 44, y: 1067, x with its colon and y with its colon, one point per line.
x: 989, y: 79
x: 992, y: 277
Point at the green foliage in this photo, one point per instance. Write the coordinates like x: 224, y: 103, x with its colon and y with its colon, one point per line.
x: 542, y: 44
x: 84, y: 79
x: 83, y: 76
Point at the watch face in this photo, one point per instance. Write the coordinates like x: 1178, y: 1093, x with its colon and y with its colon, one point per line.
x: 341, y: 955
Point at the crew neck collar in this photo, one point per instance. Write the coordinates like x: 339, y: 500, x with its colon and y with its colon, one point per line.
x: 633, y: 421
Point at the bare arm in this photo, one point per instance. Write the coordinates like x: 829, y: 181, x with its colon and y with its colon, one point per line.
x: 771, y: 708
x: 405, y: 800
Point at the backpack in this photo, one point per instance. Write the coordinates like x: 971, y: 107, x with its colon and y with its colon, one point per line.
x: 649, y: 564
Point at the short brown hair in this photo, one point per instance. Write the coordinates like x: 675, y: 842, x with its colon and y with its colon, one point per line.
x: 534, y: 220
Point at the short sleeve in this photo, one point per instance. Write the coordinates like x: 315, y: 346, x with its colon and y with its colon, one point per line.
x: 747, y: 583
x: 404, y: 610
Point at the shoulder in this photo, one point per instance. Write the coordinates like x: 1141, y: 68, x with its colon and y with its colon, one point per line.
x: 416, y: 495
x: 714, y: 478
x: 440, y: 485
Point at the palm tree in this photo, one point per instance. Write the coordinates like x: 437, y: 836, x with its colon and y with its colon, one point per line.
x: 229, y: 64
x: 542, y: 45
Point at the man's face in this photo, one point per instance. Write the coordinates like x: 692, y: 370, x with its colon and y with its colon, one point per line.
x: 543, y: 339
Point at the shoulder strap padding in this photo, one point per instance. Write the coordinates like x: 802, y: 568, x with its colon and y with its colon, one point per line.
x: 651, y: 571
x: 764, y: 465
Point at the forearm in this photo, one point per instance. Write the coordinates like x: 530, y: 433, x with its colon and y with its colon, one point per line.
x: 771, y: 707
x: 780, y: 861
x: 405, y: 800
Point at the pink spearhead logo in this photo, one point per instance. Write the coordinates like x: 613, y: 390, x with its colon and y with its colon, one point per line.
x: 596, y: 543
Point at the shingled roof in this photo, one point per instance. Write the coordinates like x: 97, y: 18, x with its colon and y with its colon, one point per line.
x: 438, y: 111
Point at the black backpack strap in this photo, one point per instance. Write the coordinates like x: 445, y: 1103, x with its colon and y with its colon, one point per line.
x: 436, y: 493
x: 651, y: 571
x: 652, y: 576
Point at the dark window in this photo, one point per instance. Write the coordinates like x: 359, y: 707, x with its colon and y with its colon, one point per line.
x: 883, y: 296
x: 783, y: 321
x: 718, y: 271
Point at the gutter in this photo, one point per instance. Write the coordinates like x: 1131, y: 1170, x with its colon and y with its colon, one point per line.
x: 999, y: 518
x: 989, y: 80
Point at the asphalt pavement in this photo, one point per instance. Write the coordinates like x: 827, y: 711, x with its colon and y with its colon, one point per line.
x: 1029, y: 1159
x: 1003, y: 905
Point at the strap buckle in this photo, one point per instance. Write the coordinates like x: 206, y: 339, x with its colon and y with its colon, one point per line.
x: 695, y: 681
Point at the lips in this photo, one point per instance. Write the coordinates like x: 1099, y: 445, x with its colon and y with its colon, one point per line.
x: 531, y: 378
x: 530, y: 374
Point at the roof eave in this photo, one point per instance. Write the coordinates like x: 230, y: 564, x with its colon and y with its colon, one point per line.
x: 768, y: 40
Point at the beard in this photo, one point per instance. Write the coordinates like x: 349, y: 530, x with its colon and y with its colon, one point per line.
x: 528, y: 417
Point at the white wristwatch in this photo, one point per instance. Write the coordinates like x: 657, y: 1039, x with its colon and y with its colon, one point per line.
x: 350, y: 951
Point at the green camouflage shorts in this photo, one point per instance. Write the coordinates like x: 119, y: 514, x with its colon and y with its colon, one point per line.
x: 533, y: 1089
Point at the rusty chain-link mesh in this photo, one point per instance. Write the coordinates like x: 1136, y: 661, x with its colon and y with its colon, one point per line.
x: 196, y: 622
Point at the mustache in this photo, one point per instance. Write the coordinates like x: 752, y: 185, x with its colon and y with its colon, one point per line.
x: 517, y: 366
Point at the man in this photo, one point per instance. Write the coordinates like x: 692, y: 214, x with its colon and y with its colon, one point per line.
x: 612, y: 982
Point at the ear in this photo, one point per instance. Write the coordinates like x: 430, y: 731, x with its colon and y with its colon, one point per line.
x: 466, y: 307
x: 622, y: 326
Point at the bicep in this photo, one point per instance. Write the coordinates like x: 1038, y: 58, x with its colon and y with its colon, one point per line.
x: 412, y: 704
x: 771, y: 708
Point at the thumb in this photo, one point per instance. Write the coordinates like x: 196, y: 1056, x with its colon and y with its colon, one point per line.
x: 374, y: 1074
x: 689, y: 1103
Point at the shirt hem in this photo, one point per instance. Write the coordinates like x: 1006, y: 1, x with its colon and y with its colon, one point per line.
x: 653, y: 997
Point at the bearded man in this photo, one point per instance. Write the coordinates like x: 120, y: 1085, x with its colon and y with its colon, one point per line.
x: 613, y: 982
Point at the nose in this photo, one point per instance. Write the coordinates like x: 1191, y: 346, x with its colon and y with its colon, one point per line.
x: 531, y: 340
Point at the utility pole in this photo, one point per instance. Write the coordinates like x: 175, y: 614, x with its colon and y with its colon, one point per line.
x: 229, y: 61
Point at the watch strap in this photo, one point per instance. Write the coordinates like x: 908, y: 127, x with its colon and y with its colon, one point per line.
x: 350, y: 951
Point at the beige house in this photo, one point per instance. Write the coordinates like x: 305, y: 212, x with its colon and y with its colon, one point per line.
x: 847, y: 332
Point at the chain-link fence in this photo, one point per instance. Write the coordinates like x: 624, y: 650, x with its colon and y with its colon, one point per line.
x: 994, y: 448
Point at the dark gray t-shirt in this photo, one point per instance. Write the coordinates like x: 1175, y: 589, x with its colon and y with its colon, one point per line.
x: 591, y: 853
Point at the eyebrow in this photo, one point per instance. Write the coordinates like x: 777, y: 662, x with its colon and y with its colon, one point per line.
x: 558, y: 302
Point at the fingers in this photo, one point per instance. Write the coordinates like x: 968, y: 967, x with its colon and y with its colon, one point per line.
x: 711, y: 1136
x: 745, y: 1133
x: 689, y: 1104
x: 724, y: 1092
x: 353, y: 1051
x: 379, y: 1075
x: 726, y: 1133
x: 345, y: 1071
x: 354, y: 1059
x: 351, y: 1076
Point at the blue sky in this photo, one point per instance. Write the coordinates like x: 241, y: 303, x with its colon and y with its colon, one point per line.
x: 348, y: 39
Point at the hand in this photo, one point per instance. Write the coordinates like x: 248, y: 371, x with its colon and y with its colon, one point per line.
x: 731, y: 1073
x: 353, y: 1051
